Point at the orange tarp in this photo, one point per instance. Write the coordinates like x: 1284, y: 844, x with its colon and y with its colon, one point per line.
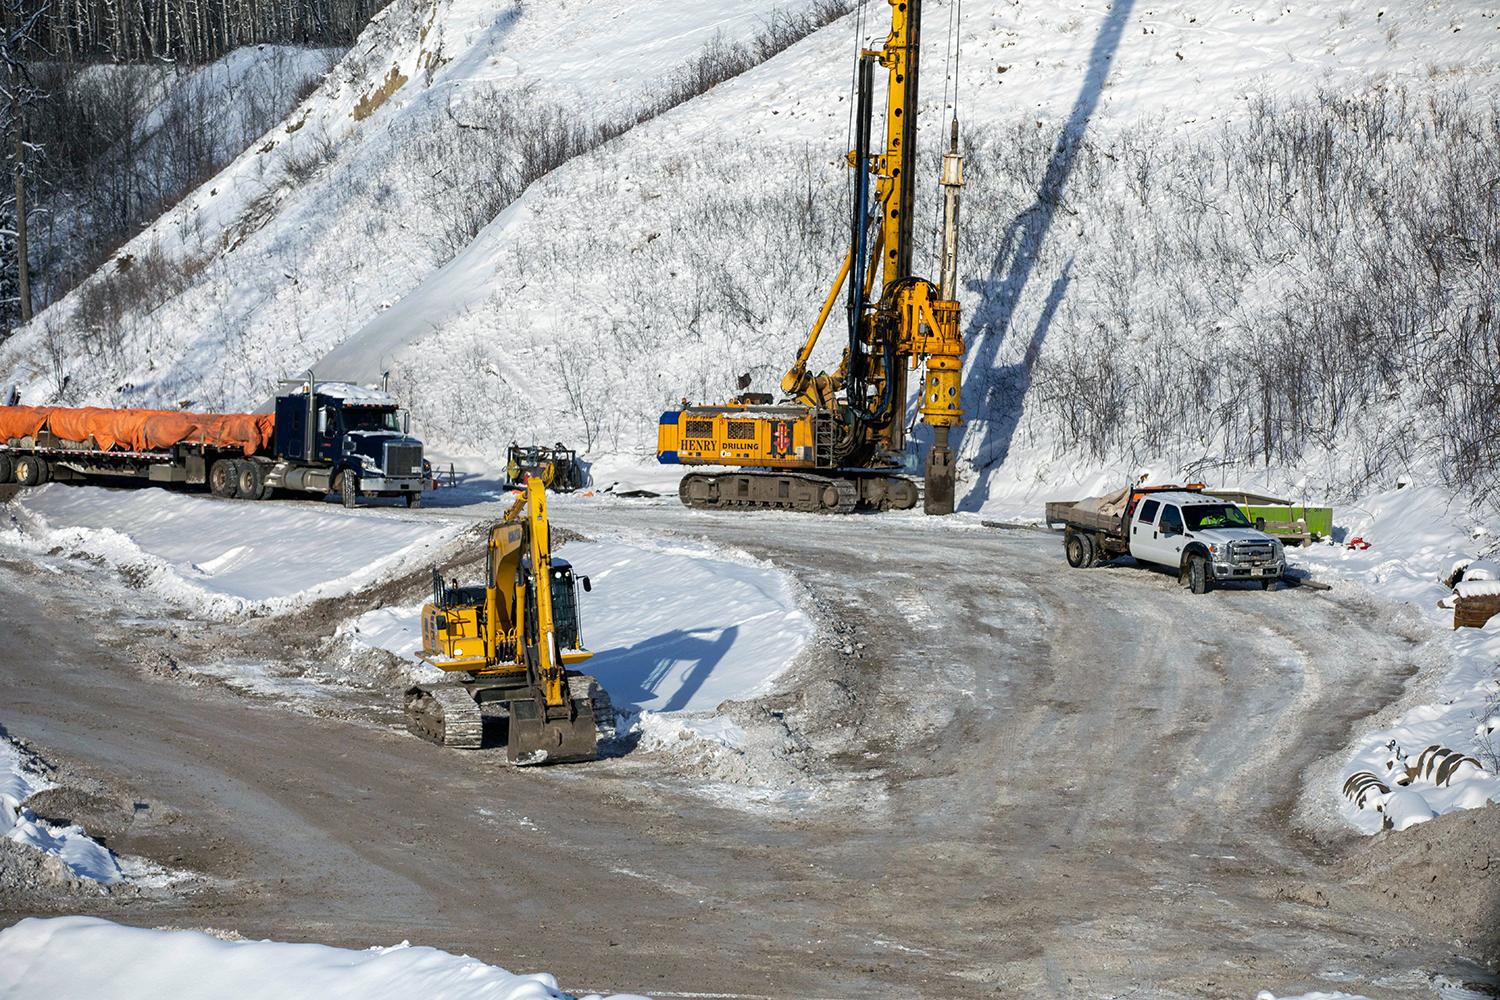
x: 21, y: 421
x: 140, y: 430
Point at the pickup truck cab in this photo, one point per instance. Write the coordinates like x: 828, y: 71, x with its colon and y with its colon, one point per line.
x: 1203, y: 538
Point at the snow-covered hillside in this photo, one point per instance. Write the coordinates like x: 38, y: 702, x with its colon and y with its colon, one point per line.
x: 1140, y: 178
x: 414, y: 140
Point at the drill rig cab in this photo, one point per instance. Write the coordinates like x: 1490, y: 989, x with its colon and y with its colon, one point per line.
x: 510, y: 646
x: 835, y: 443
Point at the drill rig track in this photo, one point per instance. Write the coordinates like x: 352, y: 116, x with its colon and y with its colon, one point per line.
x: 808, y: 493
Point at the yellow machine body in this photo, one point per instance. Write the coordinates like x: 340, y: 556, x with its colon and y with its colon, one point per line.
x: 512, y: 640
x: 853, y: 421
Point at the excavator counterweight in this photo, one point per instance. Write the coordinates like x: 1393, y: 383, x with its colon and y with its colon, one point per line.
x: 509, y: 646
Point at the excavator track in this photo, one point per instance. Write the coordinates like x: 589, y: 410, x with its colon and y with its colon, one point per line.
x: 445, y: 714
x: 809, y: 494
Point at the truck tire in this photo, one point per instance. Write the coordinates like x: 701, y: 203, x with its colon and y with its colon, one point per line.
x: 1093, y: 554
x: 7, y: 468
x: 1076, y: 549
x: 413, y: 500
x: 349, y: 488
x: 1197, y: 574
x: 250, y: 480
x: 224, y: 478
x: 31, y: 470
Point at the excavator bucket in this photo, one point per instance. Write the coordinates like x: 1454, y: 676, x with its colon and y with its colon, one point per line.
x: 568, y: 737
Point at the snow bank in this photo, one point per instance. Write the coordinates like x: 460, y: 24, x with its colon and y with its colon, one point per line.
x: 224, y: 557
x: 89, y: 957
x: 681, y: 627
x: 674, y: 628
x: 20, y: 778
x: 1416, y: 535
x: 1268, y: 995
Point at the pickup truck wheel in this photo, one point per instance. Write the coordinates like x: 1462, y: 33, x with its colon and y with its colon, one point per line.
x: 7, y: 468
x: 1197, y: 572
x: 1076, y: 550
x: 250, y: 480
x: 1093, y: 554
x: 224, y: 478
x: 349, y: 488
x: 31, y: 470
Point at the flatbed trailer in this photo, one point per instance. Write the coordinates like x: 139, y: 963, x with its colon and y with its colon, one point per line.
x: 325, y: 437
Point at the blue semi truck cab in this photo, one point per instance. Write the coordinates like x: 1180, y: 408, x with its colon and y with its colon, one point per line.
x: 344, y: 438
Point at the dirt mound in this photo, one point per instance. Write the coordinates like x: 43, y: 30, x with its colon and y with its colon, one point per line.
x: 1445, y: 873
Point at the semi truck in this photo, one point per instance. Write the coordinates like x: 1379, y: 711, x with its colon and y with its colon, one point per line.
x: 323, y: 437
x: 1202, y: 538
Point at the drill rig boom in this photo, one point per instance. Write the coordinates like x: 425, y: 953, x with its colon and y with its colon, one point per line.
x: 836, y: 441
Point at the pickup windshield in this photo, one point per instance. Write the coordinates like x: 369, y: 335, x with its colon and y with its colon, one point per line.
x: 1219, y: 515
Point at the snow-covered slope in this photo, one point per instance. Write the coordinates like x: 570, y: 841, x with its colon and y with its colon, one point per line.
x: 366, y: 188
x: 266, y: 558
x: 697, y: 245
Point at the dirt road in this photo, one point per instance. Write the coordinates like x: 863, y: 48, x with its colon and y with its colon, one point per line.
x: 1027, y: 780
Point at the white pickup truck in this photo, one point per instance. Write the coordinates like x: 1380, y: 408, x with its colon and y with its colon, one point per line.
x: 1204, y: 539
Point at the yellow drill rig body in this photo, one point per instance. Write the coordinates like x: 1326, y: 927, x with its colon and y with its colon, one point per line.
x: 508, y: 646
x: 834, y: 443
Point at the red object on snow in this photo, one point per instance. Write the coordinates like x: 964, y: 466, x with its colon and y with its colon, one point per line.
x: 1357, y: 542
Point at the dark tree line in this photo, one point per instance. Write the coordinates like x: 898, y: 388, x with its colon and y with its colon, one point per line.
x: 193, y: 31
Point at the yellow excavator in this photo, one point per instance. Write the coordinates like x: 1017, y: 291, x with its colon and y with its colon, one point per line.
x: 834, y: 443
x: 509, y: 647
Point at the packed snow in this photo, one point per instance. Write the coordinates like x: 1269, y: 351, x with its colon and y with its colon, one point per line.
x: 21, y: 778
x: 90, y: 957
x: 266, y: 557
x: 675, y: 627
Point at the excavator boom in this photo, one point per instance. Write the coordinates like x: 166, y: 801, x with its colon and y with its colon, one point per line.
x: 503, y: 648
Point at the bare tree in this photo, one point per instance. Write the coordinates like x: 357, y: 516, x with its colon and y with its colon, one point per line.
x: 20, y: 93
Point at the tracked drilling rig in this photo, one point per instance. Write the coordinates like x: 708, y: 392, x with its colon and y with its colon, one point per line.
x: 835, y: 442
x: 508, y: 647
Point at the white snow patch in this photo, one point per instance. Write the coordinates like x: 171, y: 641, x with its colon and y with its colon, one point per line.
x: 90, y: 957
x: 1417, y: 536
x: 225, y: 557
x: 19, y: 780
x: 682, y: 627
x: 397, y: 629
x: 1268, y: 995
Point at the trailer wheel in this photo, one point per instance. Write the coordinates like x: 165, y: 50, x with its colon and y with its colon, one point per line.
x: 224, y: 479
x: 1075, y: 549
x: 31, y: 470
x: 251, y: 481
x: 7, y: 468
x: 349, y: 488
x: 1197, y: 573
